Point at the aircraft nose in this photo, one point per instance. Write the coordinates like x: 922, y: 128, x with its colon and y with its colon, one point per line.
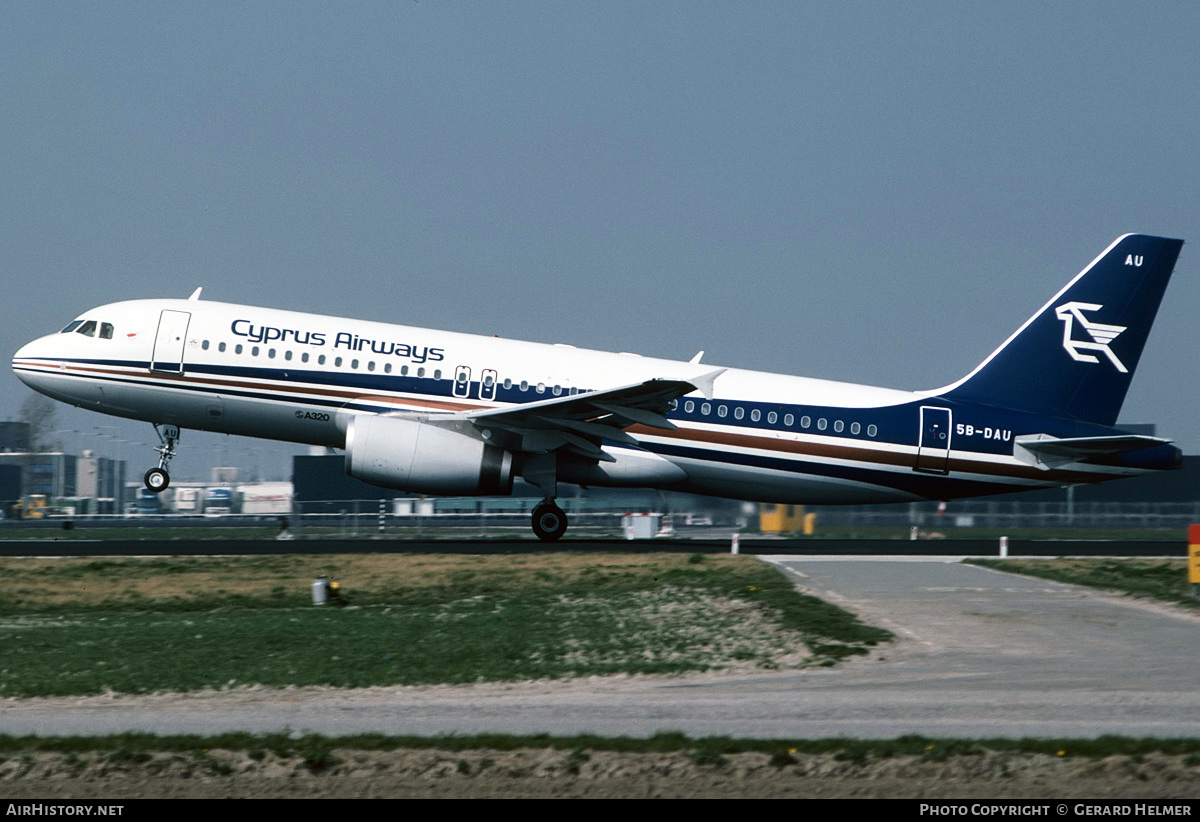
x: 24, y: 352
x: 23, y: 362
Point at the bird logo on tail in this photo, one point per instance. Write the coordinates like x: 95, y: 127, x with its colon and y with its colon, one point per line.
x: 1102, y: 335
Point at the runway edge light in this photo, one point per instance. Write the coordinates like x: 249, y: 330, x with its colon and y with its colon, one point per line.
x: 1194, y: 557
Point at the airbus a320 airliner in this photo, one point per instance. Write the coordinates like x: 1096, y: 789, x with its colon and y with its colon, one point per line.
x: 445, y: 413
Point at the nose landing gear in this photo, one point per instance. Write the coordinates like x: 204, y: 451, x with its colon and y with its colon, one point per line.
x: 157, y: 479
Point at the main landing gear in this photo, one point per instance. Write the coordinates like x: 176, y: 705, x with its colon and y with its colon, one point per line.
x: 157, y: 479
x: 549, y: 521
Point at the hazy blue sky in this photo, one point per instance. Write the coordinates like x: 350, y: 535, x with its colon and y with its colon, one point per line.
x: 872, y: 192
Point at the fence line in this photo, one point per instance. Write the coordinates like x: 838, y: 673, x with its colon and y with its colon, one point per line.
x: 356, y: 518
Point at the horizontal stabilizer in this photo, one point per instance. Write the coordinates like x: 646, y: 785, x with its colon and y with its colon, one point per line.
x: 1047, y: 452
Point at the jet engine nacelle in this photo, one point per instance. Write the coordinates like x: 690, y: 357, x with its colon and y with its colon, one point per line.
x: 418, y: 456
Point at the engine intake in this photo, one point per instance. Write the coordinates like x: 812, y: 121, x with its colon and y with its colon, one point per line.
x: 418, y: 456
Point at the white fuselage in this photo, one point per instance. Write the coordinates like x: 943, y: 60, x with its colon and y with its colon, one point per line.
x: 302, y: 377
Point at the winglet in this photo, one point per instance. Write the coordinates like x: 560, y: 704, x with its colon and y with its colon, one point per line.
x: 704, y: 383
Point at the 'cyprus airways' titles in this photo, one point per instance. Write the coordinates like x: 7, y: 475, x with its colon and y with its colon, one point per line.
x: 342, y: 339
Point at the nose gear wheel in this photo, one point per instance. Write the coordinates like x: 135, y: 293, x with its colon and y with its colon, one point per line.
x: 157, y: 479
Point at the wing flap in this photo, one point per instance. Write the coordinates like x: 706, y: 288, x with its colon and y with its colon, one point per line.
x: 631, y: 415
x: 582, y: 422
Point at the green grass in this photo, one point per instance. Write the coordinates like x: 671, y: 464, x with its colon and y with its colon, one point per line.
x: 1164, y: 580
x: 74, y: 627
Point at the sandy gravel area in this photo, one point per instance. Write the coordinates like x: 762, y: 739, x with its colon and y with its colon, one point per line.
x: 549, y: 773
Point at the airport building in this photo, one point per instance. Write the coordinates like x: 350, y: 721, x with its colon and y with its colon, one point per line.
x: 58, y: 481
x: 85, y: 484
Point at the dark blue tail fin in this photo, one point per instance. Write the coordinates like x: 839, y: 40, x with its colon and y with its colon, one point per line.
x: 1076, y: 357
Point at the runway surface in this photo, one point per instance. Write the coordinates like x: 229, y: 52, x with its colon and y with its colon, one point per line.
x: 979, y: 653
x: 76, y: 544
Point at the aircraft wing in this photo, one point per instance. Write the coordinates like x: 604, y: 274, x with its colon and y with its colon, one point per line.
x: 1050, y: 451
x: 579, y: 423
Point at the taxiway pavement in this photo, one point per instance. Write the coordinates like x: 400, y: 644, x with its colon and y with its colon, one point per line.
x: 979, y: 653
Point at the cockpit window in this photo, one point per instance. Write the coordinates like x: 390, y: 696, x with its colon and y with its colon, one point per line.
x: 71, y: 326
x: 88, y: 329
x: 106, y: 331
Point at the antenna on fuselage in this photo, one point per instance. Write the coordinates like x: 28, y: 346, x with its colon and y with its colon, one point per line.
x: 196, y: 293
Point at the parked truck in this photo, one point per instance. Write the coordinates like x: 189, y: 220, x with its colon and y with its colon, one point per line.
x: 266, y: 498
x: 148, y: 503
x: 219, y: 501
x: 189, y: 501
